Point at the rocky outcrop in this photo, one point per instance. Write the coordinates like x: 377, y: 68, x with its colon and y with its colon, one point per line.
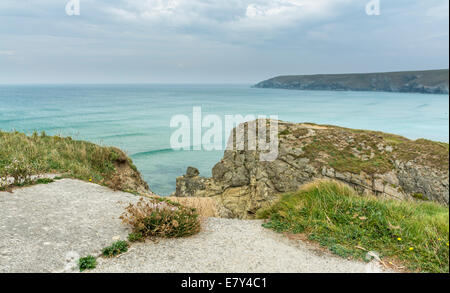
x: 430, y: 82
x: 386, y: 165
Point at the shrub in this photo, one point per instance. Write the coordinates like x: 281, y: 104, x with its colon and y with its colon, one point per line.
x: 87, y: 263
x: 159, y: 218
x: 332, y: 214
x: 115, y: 249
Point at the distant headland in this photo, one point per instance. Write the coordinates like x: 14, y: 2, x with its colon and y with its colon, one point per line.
x: 427, y: 82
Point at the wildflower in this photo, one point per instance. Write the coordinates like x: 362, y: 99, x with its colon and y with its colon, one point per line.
x: 90, y: 179
x: 399, y: 239
x: 411, y: 248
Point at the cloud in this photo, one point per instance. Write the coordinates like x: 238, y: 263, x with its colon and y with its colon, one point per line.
x: 440, y: 11
x: 276, y: 14
x: 7, y: 52
x: 216, y: 40
x: 225, y: 14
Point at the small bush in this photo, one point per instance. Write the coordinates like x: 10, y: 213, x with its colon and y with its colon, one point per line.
x: 87, y: 263
x: 156, y: 218
x: 115, y: 249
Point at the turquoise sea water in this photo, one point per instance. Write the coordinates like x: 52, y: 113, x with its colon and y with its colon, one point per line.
x: 136, y: 118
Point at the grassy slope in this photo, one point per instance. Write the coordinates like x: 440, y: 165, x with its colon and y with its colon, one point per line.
x: 342, y: 159
x: 414, y: 234
x: 22, y: 155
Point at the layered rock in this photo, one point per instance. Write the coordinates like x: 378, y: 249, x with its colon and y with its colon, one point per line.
x: 385, y: 165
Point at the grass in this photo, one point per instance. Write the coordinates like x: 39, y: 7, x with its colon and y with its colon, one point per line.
x: 44, y: 181
x: 414, y: 234
x: 87, y: 263
x: 205, y: 206
x: 285, y: 132
x: 27, y: 183
x: 115, y: 249
x: 343, y: 159
x: 336, y: 147
x: 135, y: 237
x: 22, y: 156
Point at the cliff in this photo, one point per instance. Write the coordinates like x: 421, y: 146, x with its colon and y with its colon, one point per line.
x: 23, y: 157
x: 385, y: 165
x: 430, y: 82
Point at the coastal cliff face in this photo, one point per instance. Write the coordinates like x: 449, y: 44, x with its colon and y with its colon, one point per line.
x: 430, y: 82
x: 381, y: 164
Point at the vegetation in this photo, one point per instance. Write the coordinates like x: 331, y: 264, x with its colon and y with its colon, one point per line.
x: 44, y: 181
x: 415, y: 234
x: 22, y: 156
x: 351, y: 150
x: 161, y: 218
x: 87, y: 263
x: 115, y: 249
x: 25, y: 183
x: 135, y: 237
x: 284, y: 132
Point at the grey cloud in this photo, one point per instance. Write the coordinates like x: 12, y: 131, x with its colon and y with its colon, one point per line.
x: 215, y: 40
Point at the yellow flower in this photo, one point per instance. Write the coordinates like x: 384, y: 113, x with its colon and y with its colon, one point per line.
x: 447, y: 243
x: 90, y: 179
x: 411, y: 248
x: 399, y: 239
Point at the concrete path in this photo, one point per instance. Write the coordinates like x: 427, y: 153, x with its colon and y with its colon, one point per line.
x: 230, y: 246
x: 46, y: 228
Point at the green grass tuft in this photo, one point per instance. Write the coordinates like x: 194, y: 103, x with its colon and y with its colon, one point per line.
x: 115, y: 249
x: 135, y: 237
x: 87, y: 263
x: 415, y: 234
x: 44, y: 181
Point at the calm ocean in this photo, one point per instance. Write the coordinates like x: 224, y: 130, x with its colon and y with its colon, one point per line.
x: 136, y: 118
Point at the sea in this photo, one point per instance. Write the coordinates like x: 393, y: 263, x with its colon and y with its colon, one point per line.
x: 136, y: 118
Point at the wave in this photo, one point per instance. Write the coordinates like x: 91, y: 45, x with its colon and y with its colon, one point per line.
x: 154, y: 152
x: 121, y: 135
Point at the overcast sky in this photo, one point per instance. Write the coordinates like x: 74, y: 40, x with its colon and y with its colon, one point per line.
x: 216, y: 41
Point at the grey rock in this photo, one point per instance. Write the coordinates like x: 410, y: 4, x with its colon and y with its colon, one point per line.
x: 192, y: 172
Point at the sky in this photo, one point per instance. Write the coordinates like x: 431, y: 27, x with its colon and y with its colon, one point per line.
x: 216, y: 41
